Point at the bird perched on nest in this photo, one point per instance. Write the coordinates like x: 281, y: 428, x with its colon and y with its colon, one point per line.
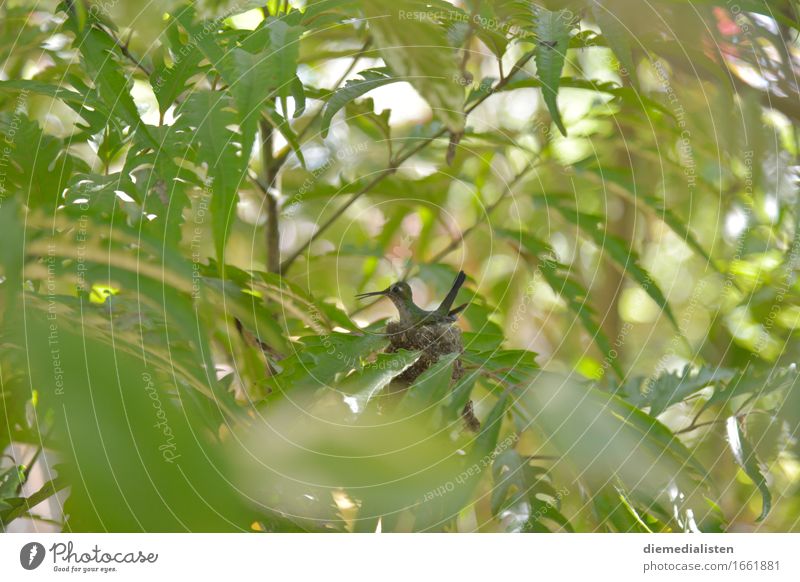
x: 433, y: 333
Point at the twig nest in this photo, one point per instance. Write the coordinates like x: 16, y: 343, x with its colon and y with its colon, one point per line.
x: 433, y: 341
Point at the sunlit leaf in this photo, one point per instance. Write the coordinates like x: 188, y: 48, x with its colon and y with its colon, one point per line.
x: 552, y: 39
x: 370, y: 79
x: 418, y: 51
x: 746, y: 459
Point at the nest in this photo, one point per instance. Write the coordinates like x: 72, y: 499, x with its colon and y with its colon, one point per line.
x: 433, y: 341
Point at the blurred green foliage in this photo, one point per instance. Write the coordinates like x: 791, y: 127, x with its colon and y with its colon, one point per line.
x: 192, y: 194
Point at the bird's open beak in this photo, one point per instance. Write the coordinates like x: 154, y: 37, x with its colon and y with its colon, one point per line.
x: 371, y: 294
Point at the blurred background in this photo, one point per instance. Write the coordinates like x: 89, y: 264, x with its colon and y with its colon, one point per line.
x: 193, y: 194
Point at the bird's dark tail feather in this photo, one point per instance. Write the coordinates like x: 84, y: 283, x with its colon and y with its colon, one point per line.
x: 451, y: 296
x: 455, y: 311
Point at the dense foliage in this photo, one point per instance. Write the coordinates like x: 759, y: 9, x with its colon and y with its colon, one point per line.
x: 192, y: 194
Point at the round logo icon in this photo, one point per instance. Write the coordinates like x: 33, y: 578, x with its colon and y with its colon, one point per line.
x: 31, y: 555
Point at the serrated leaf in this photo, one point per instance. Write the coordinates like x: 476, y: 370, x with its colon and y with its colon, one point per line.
x: 248, y: 309
x: 746, y: 459
x: 514, y: 366
x: 418, y: 51
x: 40, y: 166
x: 86, y: 104
x: 209, y: 113
x: 169, y: 82
x: 552, y: 40
x: 510, y: 491
x: 204, y: 34
x: 754, y: 380
x: 353, y: 89
x: 320, y: 360
x: 605, y: 436
x: 285, y: 47
x: 113, y: 85
x: 523, y: 496
x: 250, y: 78
x: 672, y: 387
x: 364, y: 385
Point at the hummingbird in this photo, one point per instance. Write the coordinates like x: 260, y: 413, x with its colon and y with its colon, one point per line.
x: 430, y: 332
x: 411, y: 315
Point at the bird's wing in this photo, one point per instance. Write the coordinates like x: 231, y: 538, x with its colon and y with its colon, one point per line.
x: 456, y: 310
x: 451, y: 296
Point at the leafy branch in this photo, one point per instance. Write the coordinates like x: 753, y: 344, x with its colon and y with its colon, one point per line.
x: 395, y: 163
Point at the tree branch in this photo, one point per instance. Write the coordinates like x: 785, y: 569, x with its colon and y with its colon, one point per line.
x: 397, y: 162
x: 489, y: 210
x: 342, y: 78
x: 460, y: 240
x: 283, y: 154
x: 273, y: 233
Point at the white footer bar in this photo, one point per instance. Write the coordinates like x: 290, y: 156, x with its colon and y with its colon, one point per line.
x: 406, y: 557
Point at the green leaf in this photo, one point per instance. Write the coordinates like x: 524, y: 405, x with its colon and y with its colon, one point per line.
x: 459, y: 396
x: 320, y: 360
x: 113, y: 85
x: 208, y: 112
x: 489, y: 434
x: 204, y: 34
x: 513, y: 366
x: 12, y: 252
x: 163, y: 283
x: 431, y: 387
x: 240, y: 303
x: 250, y: 78
x: 87, y: 105
x: 169, y: 81
x: 605, y: 436
x: 523, y: 497
x: 552, y: 40
x: 386, y: 463
x: 10, y: 482
x: 672, y: 387
x: 615, y: 508
x: 754, y: 380
x: 318, y: 315
x: 373, y: 377
x: 418, y: 51
x: 285, y: 47
x: 148, y: 460
x: 746, y: 459
x: 493, y: 37
x: 510, y: 491
x: 621, y: 178
x: 618, y: 38
x: 40, y: 165
x: 353, y: 89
